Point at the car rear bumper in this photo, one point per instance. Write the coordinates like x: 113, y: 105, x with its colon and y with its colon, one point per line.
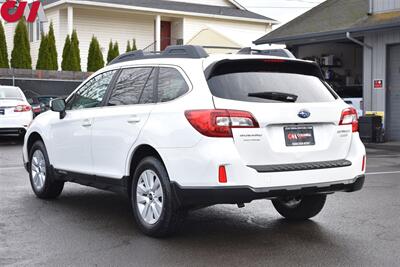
x: 199, y: 167
x: 16, y: 124
x: 189, y: 196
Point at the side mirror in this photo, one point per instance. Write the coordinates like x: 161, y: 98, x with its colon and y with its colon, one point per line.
x: 58, y: 105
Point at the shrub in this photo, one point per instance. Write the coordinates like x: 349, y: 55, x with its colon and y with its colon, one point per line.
x: 21, y: 53
x: 3, y: 49
x: 52, y: 49
x: 75, y: 53
x: 95, y: 57
x: 66, y: 58
x: 128, y: 47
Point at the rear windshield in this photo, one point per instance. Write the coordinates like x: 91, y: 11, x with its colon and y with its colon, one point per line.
x: 10, y: 93
x: 269, y: 81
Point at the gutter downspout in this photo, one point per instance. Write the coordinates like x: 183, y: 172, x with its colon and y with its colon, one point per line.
x: 354, y: 40
x: 371, y: 7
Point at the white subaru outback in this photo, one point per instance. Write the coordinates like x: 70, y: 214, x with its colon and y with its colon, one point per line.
x: 182, y: 129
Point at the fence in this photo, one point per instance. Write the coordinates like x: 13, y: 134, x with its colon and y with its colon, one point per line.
x: 40, y: 82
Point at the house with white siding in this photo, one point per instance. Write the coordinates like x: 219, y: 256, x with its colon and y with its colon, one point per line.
x: 221, y: 25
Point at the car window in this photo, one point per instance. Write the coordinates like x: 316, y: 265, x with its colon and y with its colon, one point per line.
x: 92, y: 93
x: 171, y: 85
x: 147, y: 96
x: 129, y: 86
x: 269, y: 81
x: 10, y: 93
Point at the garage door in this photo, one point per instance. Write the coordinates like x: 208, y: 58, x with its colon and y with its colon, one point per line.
x: 393, y: 96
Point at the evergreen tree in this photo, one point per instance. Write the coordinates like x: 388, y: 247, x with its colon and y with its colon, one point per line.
x: 110, y: 54
x: 128, y: 47
x: 44, y: 56
x: 75, y: 53
x: 21, y: 54
x: 52, y: 49
x: 116, y: 50
x: 3, y: 49
x: 95, y: 57
x: 133, y: 45
x: 66, y: 58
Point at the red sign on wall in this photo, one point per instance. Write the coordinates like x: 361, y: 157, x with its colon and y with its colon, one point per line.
x: 378, y: 84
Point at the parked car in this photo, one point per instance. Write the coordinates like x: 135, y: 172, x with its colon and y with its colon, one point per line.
x: 277, y: 52
x: 15, y: 111
x: 183, y: 130
x: 40, y: 104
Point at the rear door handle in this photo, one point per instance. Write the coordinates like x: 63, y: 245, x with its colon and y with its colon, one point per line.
x: 86, y: 123
x: 133, y: 119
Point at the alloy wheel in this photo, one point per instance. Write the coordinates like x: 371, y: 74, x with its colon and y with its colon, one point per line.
x: 38, y: 170
x: 149, y: 197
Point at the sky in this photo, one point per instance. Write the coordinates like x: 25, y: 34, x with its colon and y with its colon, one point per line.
x: 281, y: 10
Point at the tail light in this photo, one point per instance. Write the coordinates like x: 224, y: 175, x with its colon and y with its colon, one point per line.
x: 22, y: 108
x: 364, y: 162
x: 350, y: 117
x: 220, y: 122
x: 36, y: 109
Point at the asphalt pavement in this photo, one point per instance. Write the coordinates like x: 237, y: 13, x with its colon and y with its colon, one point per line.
x: 89, y: 227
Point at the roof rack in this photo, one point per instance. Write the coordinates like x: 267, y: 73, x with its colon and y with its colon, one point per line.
x: 278, y: 52
x: 172, y: 51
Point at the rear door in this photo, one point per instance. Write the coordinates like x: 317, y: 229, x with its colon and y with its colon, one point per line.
x: 297, y: 112
x: 117, y: 126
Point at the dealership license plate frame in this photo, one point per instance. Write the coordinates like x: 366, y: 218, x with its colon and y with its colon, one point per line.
x: 298, y: 133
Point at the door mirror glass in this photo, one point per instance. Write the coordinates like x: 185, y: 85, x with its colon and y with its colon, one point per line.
x: 58, y: 105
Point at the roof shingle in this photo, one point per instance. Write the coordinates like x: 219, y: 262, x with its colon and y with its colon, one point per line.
x: 330, y: 16
x: 184, y: 7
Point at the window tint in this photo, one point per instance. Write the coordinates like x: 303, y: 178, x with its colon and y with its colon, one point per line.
x: 269, y: 82
x: 171, y: 85
x: 92, y: 93
x: 129, y: 86
x: 147, y: 96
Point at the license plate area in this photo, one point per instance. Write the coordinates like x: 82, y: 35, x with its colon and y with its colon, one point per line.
x: 299, y: 135
x: 2, y: 111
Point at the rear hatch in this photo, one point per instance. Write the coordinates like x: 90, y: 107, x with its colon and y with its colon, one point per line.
x: 297, y: 111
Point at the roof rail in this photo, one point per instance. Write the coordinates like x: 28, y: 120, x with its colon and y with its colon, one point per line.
x: 172, y: 51
x: 278, y: 52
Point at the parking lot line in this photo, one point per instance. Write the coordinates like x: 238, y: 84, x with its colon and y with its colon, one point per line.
x: 379, y: 173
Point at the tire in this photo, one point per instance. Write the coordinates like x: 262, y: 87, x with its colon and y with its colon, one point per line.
x: 42, y: 178
x: 163, y: 216
x: 300, y: 208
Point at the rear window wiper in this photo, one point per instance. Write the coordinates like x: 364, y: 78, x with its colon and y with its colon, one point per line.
x: 283, y: 97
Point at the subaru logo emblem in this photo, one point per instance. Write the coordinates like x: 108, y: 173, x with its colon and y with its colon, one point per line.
x: 304, y: 114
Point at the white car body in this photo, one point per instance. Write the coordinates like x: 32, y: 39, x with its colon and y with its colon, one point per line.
x: 15, y: 112
x: 102, y: 141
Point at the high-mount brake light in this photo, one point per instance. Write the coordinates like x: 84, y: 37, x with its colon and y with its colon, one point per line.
x: 350, y: 117
x: 274, y: 60
x: 220, y: 122
x: 22, y: 108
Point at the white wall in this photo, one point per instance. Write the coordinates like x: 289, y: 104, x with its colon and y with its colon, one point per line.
x: 206, y: 2
x: 9, y: 29
x: 386, y: 5
x: 377, y: 60
x: 118, y: 26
